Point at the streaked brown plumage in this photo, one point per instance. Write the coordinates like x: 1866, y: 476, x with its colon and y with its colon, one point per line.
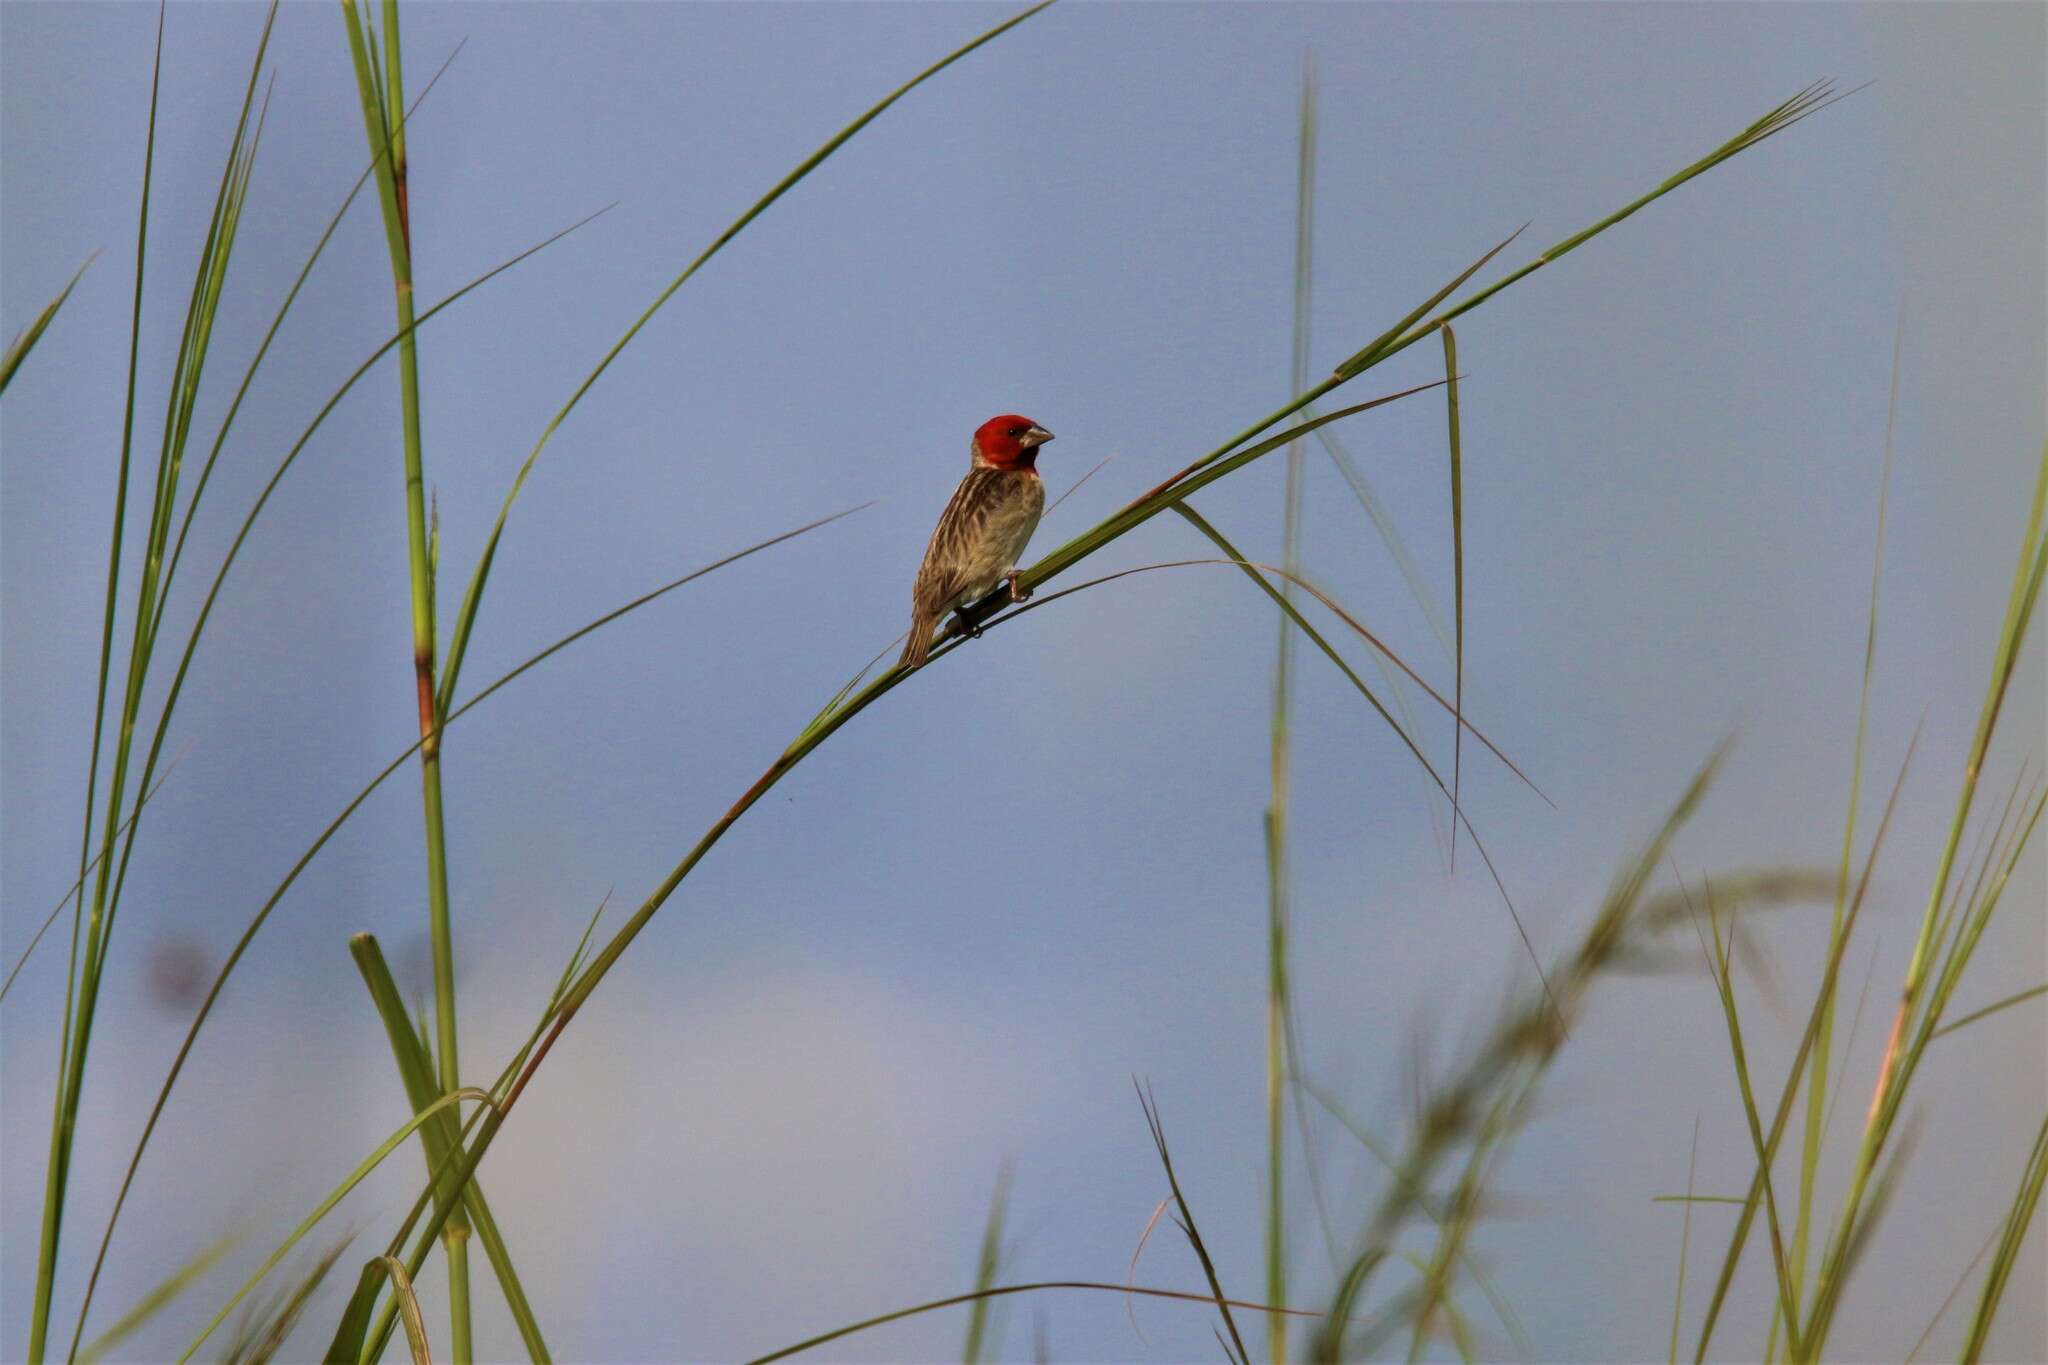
x: 984, y: 529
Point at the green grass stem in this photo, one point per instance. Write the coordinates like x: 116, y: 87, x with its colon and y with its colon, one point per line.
x: 382, y: 94
x: 354, y: 1178
x: 416, y: 1071
x: 1902, y: 1056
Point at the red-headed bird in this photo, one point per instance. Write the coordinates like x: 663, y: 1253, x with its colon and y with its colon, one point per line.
x: 983, y: 531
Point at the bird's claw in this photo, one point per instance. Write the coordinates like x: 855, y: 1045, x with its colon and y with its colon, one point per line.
x: 1017, y: 594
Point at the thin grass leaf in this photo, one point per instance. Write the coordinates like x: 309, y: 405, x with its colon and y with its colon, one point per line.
x: 84, y: 972
x: 1488, y: 1099
x: 1149, y: 504
x: 364, y: 1332
x: 1252, y: 570
x: 1384, y: 344
x: 57, y: 1170
x: 156, y: 1300
x: 575, y: 961
x: 418, y: 1075
x: 79, y: 885
x: 1404, y: 560
x: 1187, y: 1215
x: 262, y: 1335
x: 1816, y: 1092
x: 335, y: 1196
x: 1895, y: 1074
x: 25, y: 340
x: 1219, y: 463
x: 2017, y: 998
x: 1849, y: 1048
x: 263, y: 348
x: 1809, y: 101
x: 1390, y: 534
x: 1000, y: 1291
x: 1685, y: 1238
x: 1075, y: 487
x: 987, y: 1264
x: 1719, y: 966
x: 208, y: 282
x: 1797, y: 1071
x: 1453, y: 1234
x: 177, y: 683
x: 1457, y: 578
x: 1280, y: 1031
x: 305, y: 859
x: 472, y: 596
x: 1503, y: 1311
x: 1882, y: 1195
x: 1939, y: 1313
x: 409, y: 1309
x: 1131, y: 1271
x: 2032, y: 1177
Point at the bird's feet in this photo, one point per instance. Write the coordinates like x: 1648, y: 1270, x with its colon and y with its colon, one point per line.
x: 967, y: 624
x: 1017, y: 594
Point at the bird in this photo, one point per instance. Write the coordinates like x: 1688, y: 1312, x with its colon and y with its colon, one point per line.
x: 983, y: 530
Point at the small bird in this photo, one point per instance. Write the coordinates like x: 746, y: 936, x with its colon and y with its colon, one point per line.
x: 983, y: 530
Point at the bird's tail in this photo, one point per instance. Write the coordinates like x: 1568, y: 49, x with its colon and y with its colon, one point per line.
x: 920, y: 642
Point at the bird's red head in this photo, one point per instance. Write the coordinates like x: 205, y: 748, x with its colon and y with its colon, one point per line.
x: 1009, y: 442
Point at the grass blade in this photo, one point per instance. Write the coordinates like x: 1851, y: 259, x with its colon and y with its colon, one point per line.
x: 262, y: 1334
x: 1000, y: 1291
x: 2032, y: 1177
x: 986, y: 1267
x: 1816, y: 1093
x: 305, y: 859
x: 1435, y: 1211
x: 325, y: 1206
x: 25, y: 340
x: 1217, y: 464
x: 1685, y: 1240
x: 438, y: 1139
x: 155, y: 1301
x: 77, y: 886
x: 409, y: 1309
x: 1900, y: 1062
x: 472, y: 596
x: 1811, y: 100
x: 1796, y: 1072
x: 1385, y: 345
x: 1252, y: 571
x: 1457, y: 580
x: 2018, y: 998
x: 1187, y: 1216
x: 263, y: 349
x: 1719, y: 965
x: 1280, y: 1032
x: 185, y: 662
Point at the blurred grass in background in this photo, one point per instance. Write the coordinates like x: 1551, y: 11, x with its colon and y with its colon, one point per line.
x: 1423, y: 1222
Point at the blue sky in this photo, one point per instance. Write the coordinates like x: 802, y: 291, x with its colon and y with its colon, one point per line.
x: 953, y: 936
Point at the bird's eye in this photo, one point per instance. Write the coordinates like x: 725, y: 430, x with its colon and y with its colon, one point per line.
x: 1016, y: 431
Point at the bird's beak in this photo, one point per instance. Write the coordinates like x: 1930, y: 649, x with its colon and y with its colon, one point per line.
x: 1037, y: 436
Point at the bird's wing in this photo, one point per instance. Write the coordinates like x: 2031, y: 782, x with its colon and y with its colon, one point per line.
x: 942, y: 576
